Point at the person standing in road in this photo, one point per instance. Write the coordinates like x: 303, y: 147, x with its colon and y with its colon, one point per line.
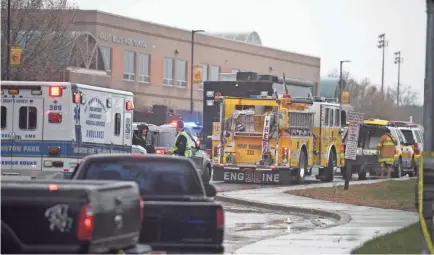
x: 386, y: 151
x: 183, y: 144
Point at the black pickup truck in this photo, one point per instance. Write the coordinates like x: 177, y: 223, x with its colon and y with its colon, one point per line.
x: 58, y: 216
x: 179, y: 216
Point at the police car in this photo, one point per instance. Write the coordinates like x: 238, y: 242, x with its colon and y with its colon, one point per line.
x: 47, y: 127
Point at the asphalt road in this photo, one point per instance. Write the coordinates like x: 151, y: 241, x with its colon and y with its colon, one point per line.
x: 246, y: 225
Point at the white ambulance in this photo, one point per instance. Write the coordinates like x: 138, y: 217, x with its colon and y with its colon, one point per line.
x: 47, y: 127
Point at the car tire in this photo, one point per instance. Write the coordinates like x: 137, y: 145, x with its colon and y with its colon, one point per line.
x: 397, y: 171
x: 206, y: 176
x: 302, y: 168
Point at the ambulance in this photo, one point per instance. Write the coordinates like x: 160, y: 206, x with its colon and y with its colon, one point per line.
x: 47, y: 127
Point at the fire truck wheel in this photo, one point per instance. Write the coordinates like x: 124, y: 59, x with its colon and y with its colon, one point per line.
x: 302, y: 167
x: 329, y: 170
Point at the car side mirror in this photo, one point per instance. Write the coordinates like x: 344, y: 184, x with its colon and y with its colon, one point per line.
x: 210, y: 190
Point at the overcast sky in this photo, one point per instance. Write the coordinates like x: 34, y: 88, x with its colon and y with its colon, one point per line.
x: 333, y: 30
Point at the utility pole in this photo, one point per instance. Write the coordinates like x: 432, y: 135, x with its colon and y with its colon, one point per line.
x: 382, y: 44
x: 341, y: 88
x: 193, y: 32
x: 8, y: 42
x: 427, y: 182
x: 398, y: 61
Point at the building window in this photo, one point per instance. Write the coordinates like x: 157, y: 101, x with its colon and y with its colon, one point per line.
x: 181, y: 73
x: 204, y: 75
x: 144, y: 68
x: 28, y: 116
x: 214, y: 72
x: 129, y: 66
x: 168, y: 71
x: 107, y: 58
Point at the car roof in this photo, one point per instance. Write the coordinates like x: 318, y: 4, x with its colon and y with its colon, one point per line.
x: 153, y: 157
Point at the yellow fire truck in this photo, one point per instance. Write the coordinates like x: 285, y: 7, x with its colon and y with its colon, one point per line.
x: 265, y: 140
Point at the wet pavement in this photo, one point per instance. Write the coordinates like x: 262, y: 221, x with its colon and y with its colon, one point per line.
x: 365, y: 223
x: 247, y: 225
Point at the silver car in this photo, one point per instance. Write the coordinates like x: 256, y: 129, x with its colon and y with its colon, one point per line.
x: 163, y: 138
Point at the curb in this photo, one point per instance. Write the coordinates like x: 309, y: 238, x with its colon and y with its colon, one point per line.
x: 341, y: 218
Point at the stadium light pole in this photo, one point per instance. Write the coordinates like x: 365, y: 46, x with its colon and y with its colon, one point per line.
x: 341, y: 87
x: 193, y: 32
x: 382, y: 44
x: 398, y: 60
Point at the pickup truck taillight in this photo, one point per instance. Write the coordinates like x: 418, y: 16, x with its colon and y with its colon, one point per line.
x: 220, y: 219
x: 85, y: 223
x: 342, y: 148
x: 142, y: 212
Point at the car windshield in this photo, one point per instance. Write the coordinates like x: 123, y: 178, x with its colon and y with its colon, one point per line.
x: 152, y: 177
x: 408, y: 134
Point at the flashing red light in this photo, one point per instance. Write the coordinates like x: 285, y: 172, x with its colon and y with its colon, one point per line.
x: 160, y: 151
x: 55, y: 117
x: 76, y: 98
x: 53, y: 187
x: 216, y: 151
x: 285, y: 151
x: 287, y: 96
x: 197, y: 141
x: 129, y: 106
x: 342, y: 148
x: 416, y: 149
x: 55, y: 91
x: 174, y: 123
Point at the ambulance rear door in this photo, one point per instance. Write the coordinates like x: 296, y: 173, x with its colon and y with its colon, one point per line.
x: 7, y: 117
x: 27, y: 133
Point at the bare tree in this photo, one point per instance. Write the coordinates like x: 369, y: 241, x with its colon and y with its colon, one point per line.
x: 365, y: 97
x: 42, y: 29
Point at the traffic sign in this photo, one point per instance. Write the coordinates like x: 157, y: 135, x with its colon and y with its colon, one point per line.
x: 351, y: 144
x: 15, y: 55
x: 197, y: 74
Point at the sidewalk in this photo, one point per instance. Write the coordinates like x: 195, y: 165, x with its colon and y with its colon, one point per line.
x: 365, y: 223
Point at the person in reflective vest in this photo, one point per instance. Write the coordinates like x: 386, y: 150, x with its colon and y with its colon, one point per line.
x: 183, y: 143
x: 386, y: 151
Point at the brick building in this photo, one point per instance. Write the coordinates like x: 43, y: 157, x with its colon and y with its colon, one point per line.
x: 153, y: 61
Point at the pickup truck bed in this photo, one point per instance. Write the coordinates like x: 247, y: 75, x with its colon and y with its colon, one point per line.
x: 178, y: 215
x: 183, y: 226
x: 69, y: 216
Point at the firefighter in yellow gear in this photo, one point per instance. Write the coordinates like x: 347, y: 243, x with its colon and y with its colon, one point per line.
x: 386, y: 151
x: 184, y: 144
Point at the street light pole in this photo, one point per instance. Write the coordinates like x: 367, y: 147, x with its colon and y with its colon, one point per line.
x: 192, y: 69
x: 8, y: 41
x: 398, y: 60
x: 341, y: 88
x: 382, y: 44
